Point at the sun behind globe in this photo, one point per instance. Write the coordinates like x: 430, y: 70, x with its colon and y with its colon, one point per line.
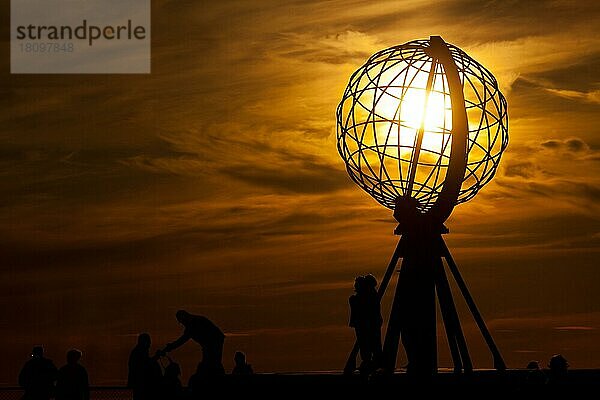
x: 395, y: 125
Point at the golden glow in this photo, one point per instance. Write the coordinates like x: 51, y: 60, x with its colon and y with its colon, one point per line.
x: 436, y: 116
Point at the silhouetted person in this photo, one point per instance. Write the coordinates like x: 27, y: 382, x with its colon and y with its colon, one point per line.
x: 374, y: 317
x: 72, y: 380
x: 198, y: 381
x: 535, y: 374
x: 38, y: 376
x: 558, y: 366
x: 144, y: 372
x: 171, y: 387
x: 241, y: 366
x: 365, y: 318
x: 208, y: 335
x: 357, y: 318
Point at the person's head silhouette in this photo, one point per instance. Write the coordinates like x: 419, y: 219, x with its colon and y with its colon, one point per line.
x: 73, y: 356
x: 533, y: 365
x: 558, y: 364
x: 183, y: 317
x: 239, y: 358
x: 370, y: 281
x: 359, y: 284
x: 144, y: 341
x: 37, y: 352
x: 172, y: 370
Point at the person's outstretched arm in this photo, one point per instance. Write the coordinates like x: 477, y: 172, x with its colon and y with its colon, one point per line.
x: 179, y: 342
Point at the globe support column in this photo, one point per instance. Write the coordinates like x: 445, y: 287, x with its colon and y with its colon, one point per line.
x: 413, y: 315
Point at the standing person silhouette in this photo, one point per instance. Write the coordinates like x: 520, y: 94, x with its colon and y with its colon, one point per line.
x: 38, y: 376
x: 374, y: 319
x: 360, y: 320
x: 72, y: 382
x: 206, y: 334
x: 144, y: 372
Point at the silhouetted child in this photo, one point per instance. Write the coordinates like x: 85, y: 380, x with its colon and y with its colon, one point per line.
x: 144, y: 372
x: 38, y: 376
x: 241, y: 366
x: 72, y: 381
x: 171, y: 387
x: 204, y: 332
x: 558, y: 369
x: 198, y: 381
x: 535, y: 375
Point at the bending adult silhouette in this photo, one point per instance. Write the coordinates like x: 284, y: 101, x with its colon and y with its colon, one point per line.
x: 144, y: 372
x: 204, y: 332
x: 37, y: 376
x: 72, y: 382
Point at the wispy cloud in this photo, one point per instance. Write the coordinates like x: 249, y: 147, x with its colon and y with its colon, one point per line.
x: 591, y: 97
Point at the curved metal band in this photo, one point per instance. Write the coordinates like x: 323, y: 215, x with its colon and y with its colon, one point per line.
x: 457, y: 165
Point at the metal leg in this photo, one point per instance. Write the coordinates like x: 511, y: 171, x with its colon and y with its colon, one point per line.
x: 498, y: 361
x: 446, y: 303
x: 392, y: 336
x: 452, y: 321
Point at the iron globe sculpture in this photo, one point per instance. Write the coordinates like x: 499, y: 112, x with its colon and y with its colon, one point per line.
x: 421, y: 128
x: 395, y: 124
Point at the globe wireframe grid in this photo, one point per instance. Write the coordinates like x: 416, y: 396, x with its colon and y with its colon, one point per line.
x: 383, y: 107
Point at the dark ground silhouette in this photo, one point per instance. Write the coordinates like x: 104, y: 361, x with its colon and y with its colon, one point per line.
x: 157, y: 377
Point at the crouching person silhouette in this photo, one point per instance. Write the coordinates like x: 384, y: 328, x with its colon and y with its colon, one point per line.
x: 204, y: 332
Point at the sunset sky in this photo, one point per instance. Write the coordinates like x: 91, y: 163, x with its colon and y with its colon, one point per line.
x: 214, y: 185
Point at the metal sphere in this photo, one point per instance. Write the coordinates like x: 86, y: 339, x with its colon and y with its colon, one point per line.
x: 386, y: 103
